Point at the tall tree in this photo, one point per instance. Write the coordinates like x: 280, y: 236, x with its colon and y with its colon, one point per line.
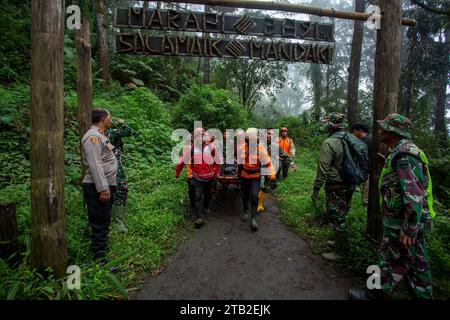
x: 408, y: 78
x: 102, y: 40
x: 48, y: 227
x: 84, y: 76
x: 440, y: 124
x: 387, y: 73
x: 207, y: 60
x: 355, y: 66
x: 316, y: 80
x: 249, y: 77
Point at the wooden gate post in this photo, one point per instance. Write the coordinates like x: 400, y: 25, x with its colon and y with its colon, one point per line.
x: 48, y: 225
x: 387, y: 74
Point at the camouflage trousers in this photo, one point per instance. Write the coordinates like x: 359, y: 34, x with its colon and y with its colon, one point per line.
x: 411, y: 263
x: 120, y: 197
x: 338, y: 197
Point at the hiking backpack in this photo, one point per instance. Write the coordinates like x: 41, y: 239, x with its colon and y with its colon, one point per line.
x: 355, y: 164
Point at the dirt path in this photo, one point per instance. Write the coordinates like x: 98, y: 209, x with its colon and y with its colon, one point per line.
x: 226, y: 260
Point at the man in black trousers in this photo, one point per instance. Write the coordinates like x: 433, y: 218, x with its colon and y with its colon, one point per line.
x: 100, y: 181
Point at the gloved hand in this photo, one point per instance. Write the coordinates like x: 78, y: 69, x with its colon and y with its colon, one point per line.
x: 273, y: 184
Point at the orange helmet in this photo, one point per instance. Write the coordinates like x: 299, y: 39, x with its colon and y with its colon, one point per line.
x: 284, y: 129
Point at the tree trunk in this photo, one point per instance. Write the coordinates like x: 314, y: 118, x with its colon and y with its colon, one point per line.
x: 387, y: 73
x: 207, y: 60
x: 407, y: 99
x: 328, y: 81
x: 8, y: 230
x: 406, y: 95
x: 84, y: 80
x: 440, y: 126
x: 102, y: 39
x: 48, y: 227
x: 316, y: 78
x: 355, y: 67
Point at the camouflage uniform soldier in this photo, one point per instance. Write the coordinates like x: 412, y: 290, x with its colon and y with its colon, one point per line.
x: 406, y: 202
x: 338, y: 193
x: 115, y: 135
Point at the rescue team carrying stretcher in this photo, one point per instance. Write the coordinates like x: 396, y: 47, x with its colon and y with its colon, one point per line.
x: 256, y: 159
x: 251, y: 162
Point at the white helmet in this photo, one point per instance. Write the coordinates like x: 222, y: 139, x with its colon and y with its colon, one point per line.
x: 251, y: 133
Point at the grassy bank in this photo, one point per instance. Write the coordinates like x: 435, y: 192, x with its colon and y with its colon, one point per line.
x: 155, y: 208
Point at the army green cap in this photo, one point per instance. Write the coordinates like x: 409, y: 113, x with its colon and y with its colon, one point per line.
x: 335, y: 120
x: 396, y: 123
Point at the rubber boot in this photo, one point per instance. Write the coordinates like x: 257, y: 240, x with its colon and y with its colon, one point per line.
x: 261, y: 196
x: 339, y: 248
x: 119, y: 217
x: 254, y: 223
x: 245, y: 213
x: 112, y: 269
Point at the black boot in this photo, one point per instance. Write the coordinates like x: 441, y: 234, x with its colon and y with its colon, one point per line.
x: 253, y: 222
x: 113, y: 269
x: 245, y: 213
x: 199, y: 221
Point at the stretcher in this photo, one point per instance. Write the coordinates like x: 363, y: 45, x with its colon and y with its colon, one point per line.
x: 228, y: 179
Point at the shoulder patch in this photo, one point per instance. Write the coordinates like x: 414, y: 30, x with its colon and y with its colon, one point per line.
x: 413, y: 149
x: 94, y: 139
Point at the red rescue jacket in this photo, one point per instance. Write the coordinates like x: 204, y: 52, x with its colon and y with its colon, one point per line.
x: 201, y: 162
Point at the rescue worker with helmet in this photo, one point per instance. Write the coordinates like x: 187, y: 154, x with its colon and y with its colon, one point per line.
x: 201, y: 157
x: 253, y: 162
x: 287, y: 144
x: 266, y: 184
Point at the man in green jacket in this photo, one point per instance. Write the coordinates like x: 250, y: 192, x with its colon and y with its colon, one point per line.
x: 338, y: 194
x: 115, y: 135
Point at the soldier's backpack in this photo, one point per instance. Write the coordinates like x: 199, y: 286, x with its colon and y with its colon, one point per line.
x: 355, y: 164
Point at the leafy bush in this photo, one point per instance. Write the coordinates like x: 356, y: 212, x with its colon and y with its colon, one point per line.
x: 154, y: 210
x: 216, y: 108
x: 15, y: 44
x: 303, y: 132
x: 169, y: 77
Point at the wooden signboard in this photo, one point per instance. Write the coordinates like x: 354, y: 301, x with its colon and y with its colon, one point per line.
x: 171, y: 20
x: 263, y: 38
x: 136, y: 43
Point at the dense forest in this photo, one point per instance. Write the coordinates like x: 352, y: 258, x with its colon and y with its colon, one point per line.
x: 157, y: 94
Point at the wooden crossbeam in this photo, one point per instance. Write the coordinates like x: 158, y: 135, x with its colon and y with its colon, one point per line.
x: 289, y: 7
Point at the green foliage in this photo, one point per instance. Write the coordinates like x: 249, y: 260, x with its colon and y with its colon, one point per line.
x: 170, y: 77
x: 304, y: 133
x: 216, y: 108
x: 14, y: 134
x: 154, y: 210
x: 15, y: 45
x: 439, y: 160
x: 248, y: 78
